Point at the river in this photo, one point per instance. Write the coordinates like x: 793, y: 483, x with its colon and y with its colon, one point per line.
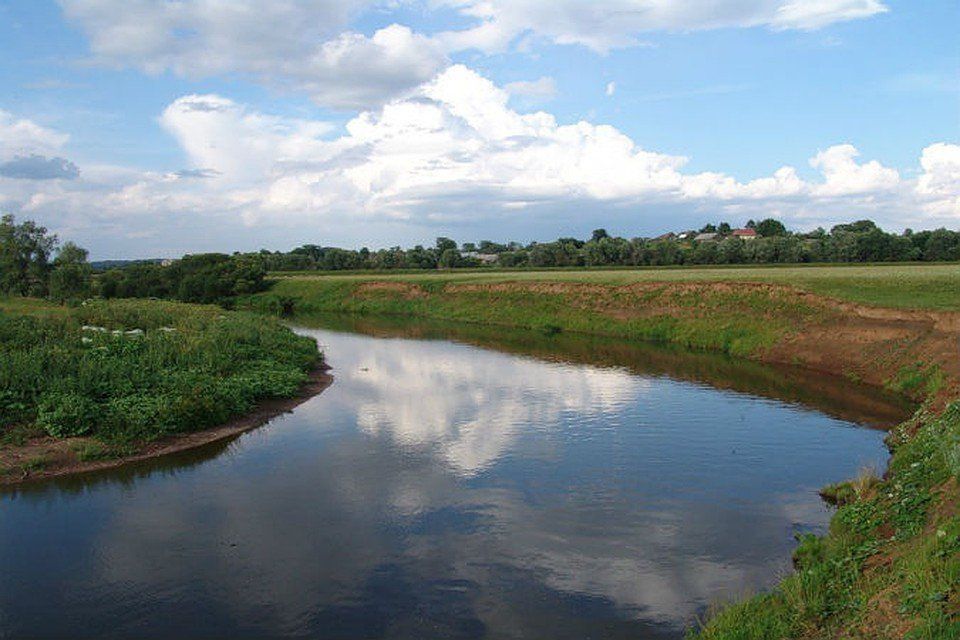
x: 453, y: 483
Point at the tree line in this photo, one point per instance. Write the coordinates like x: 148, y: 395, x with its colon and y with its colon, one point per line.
x: 33, y: 263
x: 861, y: 241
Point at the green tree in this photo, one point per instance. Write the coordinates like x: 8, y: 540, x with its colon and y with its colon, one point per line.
x: 71, y: 277
x: 771, y: 228
x: 541, y: 255
x: 110, y: 283
x: 491, y: 247
x: 942, y: 245
x: 860, y: 226
x: 25, y: 251
x: 730, y: 251
x: 444, y: 244
x: 514, y: 258
x: 704, y: 252
x: 606, y: 251
x: 599, y: 234
x: 450, y: 258
x: 421, y: 258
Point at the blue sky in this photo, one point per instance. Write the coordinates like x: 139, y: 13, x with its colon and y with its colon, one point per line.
x: 377, y: 123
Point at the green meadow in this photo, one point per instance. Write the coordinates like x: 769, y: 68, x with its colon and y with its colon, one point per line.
x: 903, y: 286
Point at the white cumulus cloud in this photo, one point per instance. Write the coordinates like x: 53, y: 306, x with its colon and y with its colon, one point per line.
x: 20, y: 136
x: 292, y: 43
x: 939, y: 185
x: 451, y: 151
x: 844, y: 176
x: 239, y: 144
x: 308, y: 45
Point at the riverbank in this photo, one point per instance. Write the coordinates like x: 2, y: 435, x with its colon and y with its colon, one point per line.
x: 66, y: 456
x: 109, y: 383
x: 890, y: 566
x: 912, y: 351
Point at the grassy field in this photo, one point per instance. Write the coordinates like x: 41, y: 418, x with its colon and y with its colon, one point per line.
x: 903, y: 286
x: 131, y: 371
x: 31, y: 307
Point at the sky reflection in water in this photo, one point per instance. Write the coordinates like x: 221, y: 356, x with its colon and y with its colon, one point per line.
x: 438, y: 490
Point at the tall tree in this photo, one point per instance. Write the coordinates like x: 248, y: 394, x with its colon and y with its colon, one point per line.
x: 599, y: 234
x: 443, y: 244
x: 25, y: 251
x: 71, y: 277
x: 771, y: 228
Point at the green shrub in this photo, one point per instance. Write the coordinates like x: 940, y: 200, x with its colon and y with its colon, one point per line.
x: 64, y: 415
x: 135, y: 370
x: 13, y: 406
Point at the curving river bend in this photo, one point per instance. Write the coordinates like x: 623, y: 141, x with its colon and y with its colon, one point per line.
x: 527, y: 487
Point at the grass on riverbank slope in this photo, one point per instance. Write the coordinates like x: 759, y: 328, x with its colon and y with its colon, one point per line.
x: 901, y: 286
x: 759, y: 320
x: 702, y: 316
x: 129, y: 371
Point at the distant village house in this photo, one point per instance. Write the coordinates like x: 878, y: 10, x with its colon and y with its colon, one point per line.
x: 484, y: 258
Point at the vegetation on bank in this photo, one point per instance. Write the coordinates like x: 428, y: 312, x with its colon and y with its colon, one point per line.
x: 118, y: 374
x: 701, y: 316
x: 685, y: 307
x: 204, y: 278
x: 132, y: 371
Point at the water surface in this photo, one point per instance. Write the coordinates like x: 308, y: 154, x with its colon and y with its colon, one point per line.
x: 503, y: 485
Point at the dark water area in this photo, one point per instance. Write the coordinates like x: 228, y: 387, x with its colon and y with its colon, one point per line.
x: 453, y: 482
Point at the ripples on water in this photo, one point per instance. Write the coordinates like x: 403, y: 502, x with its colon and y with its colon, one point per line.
x: 438, y: 489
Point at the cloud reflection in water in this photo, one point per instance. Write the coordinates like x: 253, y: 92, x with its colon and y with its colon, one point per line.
x: 441, y: 490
